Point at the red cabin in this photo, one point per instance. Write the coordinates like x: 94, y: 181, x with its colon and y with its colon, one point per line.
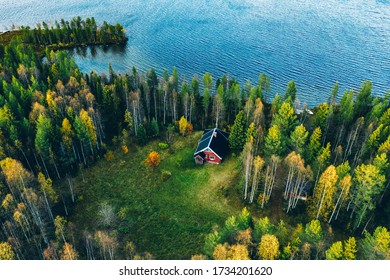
x: 212, y: 147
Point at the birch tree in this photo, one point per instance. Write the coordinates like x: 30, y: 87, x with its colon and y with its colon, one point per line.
x: 324, y: 192
x: 247, y: 158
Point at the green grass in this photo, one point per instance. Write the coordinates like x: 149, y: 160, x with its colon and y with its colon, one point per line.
x: 168, y: 219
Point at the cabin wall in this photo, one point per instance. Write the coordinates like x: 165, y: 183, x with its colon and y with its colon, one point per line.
x: 209, y: 157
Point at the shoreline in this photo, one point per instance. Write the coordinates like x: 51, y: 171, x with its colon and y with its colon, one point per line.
x: 7, y: 36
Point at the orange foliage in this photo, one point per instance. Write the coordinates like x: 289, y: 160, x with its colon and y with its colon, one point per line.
x: 153, y: 159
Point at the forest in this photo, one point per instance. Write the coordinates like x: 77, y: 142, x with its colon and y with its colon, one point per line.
x: 316, y: 180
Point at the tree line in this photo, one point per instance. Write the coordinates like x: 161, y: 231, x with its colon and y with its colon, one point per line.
x: 243, y: 237
x: 76, y: 32
x: 55, y: 121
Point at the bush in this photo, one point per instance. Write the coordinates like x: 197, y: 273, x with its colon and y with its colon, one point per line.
x: 109, y: 156
x: 125, y: 150
x: 153, y: 159
x: 163, y: 146
x: 165, y: 175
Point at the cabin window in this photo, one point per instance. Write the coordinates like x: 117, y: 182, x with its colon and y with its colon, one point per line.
x: 212, y: 158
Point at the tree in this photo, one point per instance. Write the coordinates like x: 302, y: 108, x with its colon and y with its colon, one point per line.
x: 141, y: 135
x: 298, y: 138
x: 184, y: 126
x: 221, y: 252
x: 363, y: 99
x: 153, y: 159
x: 6, y: 252
x: 273, y: 142
x: 269, y: 247
x: 377, y: 245
x: 291, y: 91
x: 368, y: 185
x: 335, y: 252
x: 314, y: 144
x: 206, y: 104
x: 314, y: 235
x: 350, y: 249
x: 324, y: 191
x: 238, y: 252
x: 261, y: 227
x: 258, y: 163
x: 285, y: 119
x: 321, y: 116
x: 237, y: 137
x: 155, y: 131
x: 67, y: 133
x: 219, y: 107
x: 247, y: 158
x: 42, y: 137
x: 68, y: 252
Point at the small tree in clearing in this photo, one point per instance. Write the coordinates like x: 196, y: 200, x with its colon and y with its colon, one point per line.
x: 185, y: 126
x: 153, y: 159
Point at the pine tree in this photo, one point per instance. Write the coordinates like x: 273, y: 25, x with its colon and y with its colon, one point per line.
x: 237, y: 137
x: 291, y: 91
x: 314, y: 145
x: 273, y: 141
x: 298, y: 139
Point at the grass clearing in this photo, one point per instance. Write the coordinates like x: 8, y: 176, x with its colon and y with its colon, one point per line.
x: 166, y: 218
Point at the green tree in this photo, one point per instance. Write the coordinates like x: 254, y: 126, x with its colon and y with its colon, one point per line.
x: 368, y: 185
x: 155, y: 131
x: 291, y: 91
x: 298, y: 139
x: 350, y: 249
x: 273, y: 141
x: 314, y: 144
x: 335, y: 252
x: 42, y: 136
x: 285, y: 119
x: 363, y: 99
x: 321, y: 116
x: 377, y: 245
x: 141, y: 135
x: 237, y: 137
x: 346, y: 107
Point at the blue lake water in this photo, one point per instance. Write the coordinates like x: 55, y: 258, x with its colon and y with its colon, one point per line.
x: 313, y: 42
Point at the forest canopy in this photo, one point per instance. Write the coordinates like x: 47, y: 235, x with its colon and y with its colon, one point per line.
x: 325, y: 166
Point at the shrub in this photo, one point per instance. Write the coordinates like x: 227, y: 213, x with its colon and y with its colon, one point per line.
x: 165, y: 175
x: 153, y: 159
x: 125, y: 150
x: 109, y: 156
x: 163, y: 146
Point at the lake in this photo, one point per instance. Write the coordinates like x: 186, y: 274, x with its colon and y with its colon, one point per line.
x: 312, y: 42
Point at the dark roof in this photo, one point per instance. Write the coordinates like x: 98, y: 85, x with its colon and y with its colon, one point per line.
x: 214, y: 139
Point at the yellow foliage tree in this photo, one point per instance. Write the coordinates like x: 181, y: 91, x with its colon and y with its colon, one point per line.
x: 238, y: 252
x: 125, y: 149
x: 67, y: 132
x: 221, y: 252
x: 350, y: 249
x: 324, y: 194
x: 185, y: 127
x: 269, y: 247
x: 6, y: 252
x: 68, y: 252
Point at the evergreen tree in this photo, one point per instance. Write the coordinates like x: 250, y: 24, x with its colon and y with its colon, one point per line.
x: 237, y: 137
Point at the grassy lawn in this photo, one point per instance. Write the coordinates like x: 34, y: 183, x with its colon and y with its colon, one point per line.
x: 166, y: 218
